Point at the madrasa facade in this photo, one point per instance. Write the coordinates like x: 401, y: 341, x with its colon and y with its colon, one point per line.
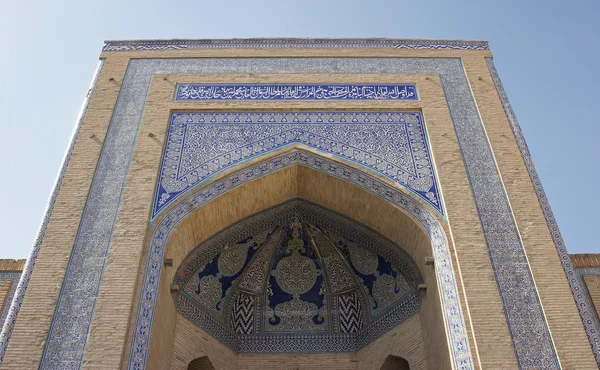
x: 298, y: 204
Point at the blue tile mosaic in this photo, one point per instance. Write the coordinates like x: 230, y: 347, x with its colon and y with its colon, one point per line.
x: 201, y: 145
x: 217, y: 92
x: 285, y: 281
x: 261, y: 343
x: 103, y: 202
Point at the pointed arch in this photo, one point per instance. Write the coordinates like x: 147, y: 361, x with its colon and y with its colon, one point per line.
x: 324, y: 169
x: 201, y: 363
x: 395, y: 363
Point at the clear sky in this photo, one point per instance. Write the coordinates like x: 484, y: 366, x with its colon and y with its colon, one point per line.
x: 545, y: 51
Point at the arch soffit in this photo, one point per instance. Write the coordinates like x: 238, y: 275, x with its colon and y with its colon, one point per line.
x: 312, y: 181
x: 305, y: 205
x: 424, y: 217
x: 392, y: 192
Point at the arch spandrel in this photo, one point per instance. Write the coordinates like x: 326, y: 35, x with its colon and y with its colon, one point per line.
x: 275, y: 180
x: 201, y: 145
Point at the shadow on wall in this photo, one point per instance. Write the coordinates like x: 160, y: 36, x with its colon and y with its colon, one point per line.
x: 203, y: 363
x: 395, y: 363
x: 391, y: 363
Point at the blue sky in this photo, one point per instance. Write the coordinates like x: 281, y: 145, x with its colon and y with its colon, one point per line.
x: 545, y: 52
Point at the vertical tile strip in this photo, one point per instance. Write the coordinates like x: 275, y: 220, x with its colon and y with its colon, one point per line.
x: 530, y: 334
x: 74, y: 312
x: 586, y: 309
x: 28, y: 269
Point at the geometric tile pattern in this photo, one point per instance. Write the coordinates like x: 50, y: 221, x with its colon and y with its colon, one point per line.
x: 216, y: 92
x: 243, y: 314
x: 200, y: 145
x: 293, y: 301
x: 350, y: 313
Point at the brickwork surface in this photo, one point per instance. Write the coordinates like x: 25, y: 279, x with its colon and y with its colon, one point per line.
x: 12, y: 265
x: 580, y: 261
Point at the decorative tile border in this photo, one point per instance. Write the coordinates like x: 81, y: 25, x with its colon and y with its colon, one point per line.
x: 393, y: 144
x: 14, y: 277
x: 28, y: 269
x: 502, y: 237
x: 206, y: 92
x: 296, y: 43
x: 590, y: 321
x: 444, y: 271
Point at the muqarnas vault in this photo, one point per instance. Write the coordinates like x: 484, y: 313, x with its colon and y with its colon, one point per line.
x: 299, y: 203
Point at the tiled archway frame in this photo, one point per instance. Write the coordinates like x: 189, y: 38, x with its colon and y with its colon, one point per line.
x: 74, y: 312
x: 422, y: 215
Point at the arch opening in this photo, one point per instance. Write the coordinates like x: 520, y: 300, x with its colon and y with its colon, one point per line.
x: 345, y: 190
x: 201, y: 363
x: 395, y: 363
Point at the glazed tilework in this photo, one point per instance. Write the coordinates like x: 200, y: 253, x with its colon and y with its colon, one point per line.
x: 11, y: 317
x: 495, y: 214
x: 297, y: 294
x: 244, y: 314
x: 584, y: 304
x: 202, y: 92
x: 259, y: 343
x: 350, y: 318
x: 14, y: 277
x: 200, y: 145
x: 296, y: 43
